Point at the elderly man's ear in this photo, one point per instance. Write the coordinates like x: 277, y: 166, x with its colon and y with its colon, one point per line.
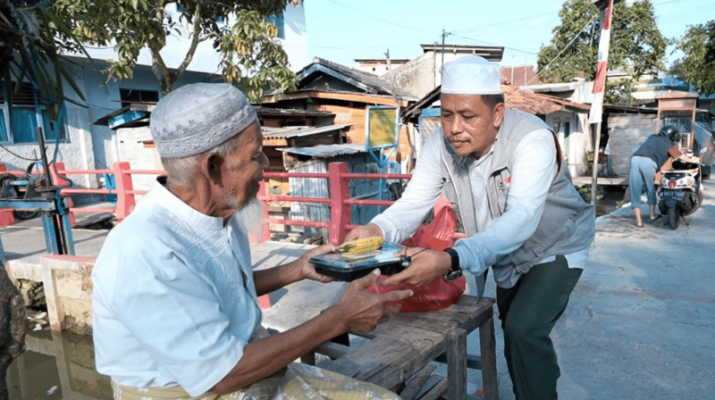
x: 211, y: 168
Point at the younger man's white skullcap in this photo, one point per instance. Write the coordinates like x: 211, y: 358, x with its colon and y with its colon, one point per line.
x: 471, y: 75
x: 198, y: 117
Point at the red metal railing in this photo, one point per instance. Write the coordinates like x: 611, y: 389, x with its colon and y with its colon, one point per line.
x: 340, y: 201
x: 337, y: 175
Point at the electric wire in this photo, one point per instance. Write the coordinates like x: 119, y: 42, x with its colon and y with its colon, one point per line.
x: 376, y: 18
x: 514, y: 21
x: 562, y: 50
x: 17, y: 155
x: 492, y: 44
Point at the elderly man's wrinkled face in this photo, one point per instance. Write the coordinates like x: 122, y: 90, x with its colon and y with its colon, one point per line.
x: 469, y: 124
x: 242, y: 172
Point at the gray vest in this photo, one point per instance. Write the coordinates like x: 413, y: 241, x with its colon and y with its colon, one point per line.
x: 567, y: 224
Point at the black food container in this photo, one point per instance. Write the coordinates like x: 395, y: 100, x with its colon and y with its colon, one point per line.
x: 348, y: 268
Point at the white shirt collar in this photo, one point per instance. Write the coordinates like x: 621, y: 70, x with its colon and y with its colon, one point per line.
x: 182, y: 210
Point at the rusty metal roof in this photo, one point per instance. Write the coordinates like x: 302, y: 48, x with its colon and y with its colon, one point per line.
x: 326, y: 150
x: 519, y: 99
x: 537, y: 103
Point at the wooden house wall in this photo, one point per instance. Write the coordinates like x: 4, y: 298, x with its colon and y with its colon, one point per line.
x: 627, y: 132
x: 349, y: 112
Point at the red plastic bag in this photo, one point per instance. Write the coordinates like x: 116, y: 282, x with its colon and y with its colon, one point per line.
x: 440, y: 294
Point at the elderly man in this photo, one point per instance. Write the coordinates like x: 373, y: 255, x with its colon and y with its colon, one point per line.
x: 503, y: 172
x: 175, y: 298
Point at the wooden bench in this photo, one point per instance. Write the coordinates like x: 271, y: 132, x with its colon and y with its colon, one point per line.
x: 398, y: 353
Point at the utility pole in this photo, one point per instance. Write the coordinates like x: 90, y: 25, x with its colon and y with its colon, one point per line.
x: 444, y: 34
x: 434, y: 65
x: 387, y: 55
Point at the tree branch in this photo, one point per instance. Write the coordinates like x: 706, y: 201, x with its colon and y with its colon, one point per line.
x: 195, y: 39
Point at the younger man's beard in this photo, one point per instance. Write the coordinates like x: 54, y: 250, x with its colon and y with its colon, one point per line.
x: 462, y: 161
x: 249, y: 216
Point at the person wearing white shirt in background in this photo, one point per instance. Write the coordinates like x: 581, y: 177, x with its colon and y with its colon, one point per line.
x: 609, y: 159
x: 503, y: 172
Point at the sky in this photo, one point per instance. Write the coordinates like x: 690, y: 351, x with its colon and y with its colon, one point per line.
x: 343, y: 30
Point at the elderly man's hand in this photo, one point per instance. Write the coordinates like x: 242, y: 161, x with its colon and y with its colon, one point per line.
x: 363, y: 310
x: 307, y: 270
x: 365, y: 231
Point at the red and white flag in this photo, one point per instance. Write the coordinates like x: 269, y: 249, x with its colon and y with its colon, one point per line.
x: 600, y: 83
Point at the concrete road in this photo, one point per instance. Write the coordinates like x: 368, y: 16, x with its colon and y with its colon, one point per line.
x: 641, y: 321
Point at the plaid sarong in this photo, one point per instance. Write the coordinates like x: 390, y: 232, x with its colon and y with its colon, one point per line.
x: 295, y: 382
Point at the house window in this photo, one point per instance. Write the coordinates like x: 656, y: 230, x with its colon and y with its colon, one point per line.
x: 277, y: 20
x: 138, y: 96
x: 19, y: 123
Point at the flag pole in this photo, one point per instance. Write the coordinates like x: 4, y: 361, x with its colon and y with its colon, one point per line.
x: 596, y: 113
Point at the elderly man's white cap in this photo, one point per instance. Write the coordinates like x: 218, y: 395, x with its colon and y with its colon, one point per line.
x: 198, y: 117
x: 471, y: 75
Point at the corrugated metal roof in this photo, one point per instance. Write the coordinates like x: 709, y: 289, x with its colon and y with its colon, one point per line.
x: 369, y: 83
x: 288, y: 132
x: 491, y: 53
x: 261, y: 111
x: 326, y: 150
x: 553, y: 87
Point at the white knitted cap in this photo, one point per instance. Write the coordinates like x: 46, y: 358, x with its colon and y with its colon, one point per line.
x: 471, y: 75
x: 198, y: 117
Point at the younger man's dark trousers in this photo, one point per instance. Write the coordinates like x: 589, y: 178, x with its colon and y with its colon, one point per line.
x: 528, y: 312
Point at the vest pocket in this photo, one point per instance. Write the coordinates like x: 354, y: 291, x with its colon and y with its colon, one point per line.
x: 502, y: 179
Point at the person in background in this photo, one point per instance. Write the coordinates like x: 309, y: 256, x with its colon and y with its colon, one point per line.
x: 176, y: 313
x: 609, y: 159
x: 503, y: 171
x: 645, y: 162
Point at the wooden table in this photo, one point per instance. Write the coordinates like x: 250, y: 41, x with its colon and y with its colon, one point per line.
x: 408, y: 342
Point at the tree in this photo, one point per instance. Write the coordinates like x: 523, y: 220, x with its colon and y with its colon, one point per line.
x: 250, y: 54
x: 698, y: 64
x: 637, y: 46
x: 30, y: 53
x: 677, y: 70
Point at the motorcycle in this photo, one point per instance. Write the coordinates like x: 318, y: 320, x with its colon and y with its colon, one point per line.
x: 679, y: 192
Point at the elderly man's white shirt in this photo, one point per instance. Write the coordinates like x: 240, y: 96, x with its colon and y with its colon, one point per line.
x: 533, y: 172
x: 174, y: 297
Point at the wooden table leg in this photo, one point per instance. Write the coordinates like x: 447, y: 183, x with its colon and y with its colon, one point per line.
x: 457, y: 364
x: 487, y: 344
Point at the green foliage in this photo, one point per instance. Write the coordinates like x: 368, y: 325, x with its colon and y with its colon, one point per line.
x: 131, y: 25
x: 636, y: 46
x: 252, y: 58
x: 677, y: 70
x: 30, y: 53
x: 579, y: 23
x: 698, y: 65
